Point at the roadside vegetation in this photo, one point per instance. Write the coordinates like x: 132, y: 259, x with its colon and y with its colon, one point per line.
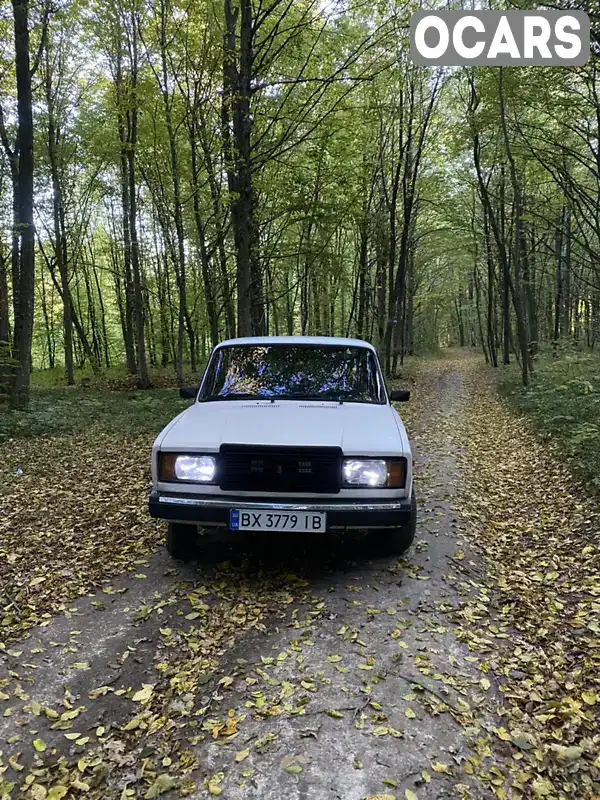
x: 52, y: 412
x: 563, y: 401
x: 109, y: 402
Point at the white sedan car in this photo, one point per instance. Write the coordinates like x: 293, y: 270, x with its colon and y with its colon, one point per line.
x: 287, y: 434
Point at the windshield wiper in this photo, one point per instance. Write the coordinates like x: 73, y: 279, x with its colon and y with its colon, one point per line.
x: 341, y: 399
x: 240, y: 396
x: 319, y: 397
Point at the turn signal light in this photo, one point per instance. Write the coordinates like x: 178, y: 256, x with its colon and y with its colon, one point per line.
x: 396, y: 474
x: 166, y: 467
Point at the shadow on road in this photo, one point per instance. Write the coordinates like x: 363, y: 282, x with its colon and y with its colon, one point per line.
x: 310, y: 556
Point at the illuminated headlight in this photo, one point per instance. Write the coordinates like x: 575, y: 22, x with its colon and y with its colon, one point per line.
x: 374, y: 473
x: 195, y: 469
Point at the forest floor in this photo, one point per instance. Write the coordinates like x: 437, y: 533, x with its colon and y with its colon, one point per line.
x: 304, y: 669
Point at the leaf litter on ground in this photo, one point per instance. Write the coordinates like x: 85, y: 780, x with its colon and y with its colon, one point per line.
x: 533, y: 619
x: 536, y: 620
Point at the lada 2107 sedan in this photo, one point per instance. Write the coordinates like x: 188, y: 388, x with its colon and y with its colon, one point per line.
x: 287, y: 434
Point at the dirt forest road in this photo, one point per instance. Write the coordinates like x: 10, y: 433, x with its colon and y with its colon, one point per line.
x: 312, y: 669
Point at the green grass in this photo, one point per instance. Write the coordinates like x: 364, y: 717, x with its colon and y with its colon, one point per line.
x: 108, y: 401
x: 564, y: 403
x: 55, y: 412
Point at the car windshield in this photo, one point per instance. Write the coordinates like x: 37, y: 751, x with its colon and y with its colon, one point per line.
x: 293, y: 372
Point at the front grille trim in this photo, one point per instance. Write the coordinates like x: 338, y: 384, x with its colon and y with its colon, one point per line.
x: 281, y: 469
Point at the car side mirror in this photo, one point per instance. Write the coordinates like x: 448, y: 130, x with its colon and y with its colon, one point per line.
x: 399, y: 395
x: 187, y: 393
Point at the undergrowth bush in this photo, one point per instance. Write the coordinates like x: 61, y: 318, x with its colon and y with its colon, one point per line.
x: 563, y: 400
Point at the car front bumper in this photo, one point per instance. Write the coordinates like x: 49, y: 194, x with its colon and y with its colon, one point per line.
x: 341, y: 515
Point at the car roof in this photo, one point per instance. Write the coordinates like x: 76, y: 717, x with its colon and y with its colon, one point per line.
x: 297, y: 340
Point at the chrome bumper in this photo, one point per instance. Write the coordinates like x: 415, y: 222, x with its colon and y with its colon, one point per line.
x: 211, y: 511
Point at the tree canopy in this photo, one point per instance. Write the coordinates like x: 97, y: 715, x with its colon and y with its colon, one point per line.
x: 177, y: 172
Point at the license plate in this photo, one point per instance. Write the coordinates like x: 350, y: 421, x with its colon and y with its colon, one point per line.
x: 302, y: 521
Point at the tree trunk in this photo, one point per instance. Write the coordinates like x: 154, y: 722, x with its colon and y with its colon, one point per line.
x: 558, y: 294
x: 209, y: 298
x: 390, y: 319
x: 60, y: 241
x: 48, y: 327
x: 363, y: 256
x: 237, y: 119
x: 478, y: 310
x: 506, y: 330
x: 23, y: 330
x: 409, y: 336
x: 491, y: 305
x: 128, y: 310
x: 102, y: 312
x: 380, y: 281
x: 528, y: 285
x: 519, y: 240
x: 143, y: 379
x: 177, y: 210
x: 5, y: 349
x: 219, y: 223
x: 567, y: 301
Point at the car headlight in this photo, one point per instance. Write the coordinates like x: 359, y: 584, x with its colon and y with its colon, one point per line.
x: 383, y: 473
x: 194, y: 469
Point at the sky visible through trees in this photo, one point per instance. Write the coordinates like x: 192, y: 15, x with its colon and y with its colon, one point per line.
x: 174, y: 173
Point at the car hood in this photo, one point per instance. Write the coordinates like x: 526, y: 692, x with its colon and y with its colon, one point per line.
x: 358, y: 428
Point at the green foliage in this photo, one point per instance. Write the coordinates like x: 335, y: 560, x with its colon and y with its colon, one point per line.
x: 564, y: 403
x: 55, y: 412
x: 115, y: 378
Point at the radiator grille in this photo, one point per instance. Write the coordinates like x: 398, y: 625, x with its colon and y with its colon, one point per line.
x: 249, y: 468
